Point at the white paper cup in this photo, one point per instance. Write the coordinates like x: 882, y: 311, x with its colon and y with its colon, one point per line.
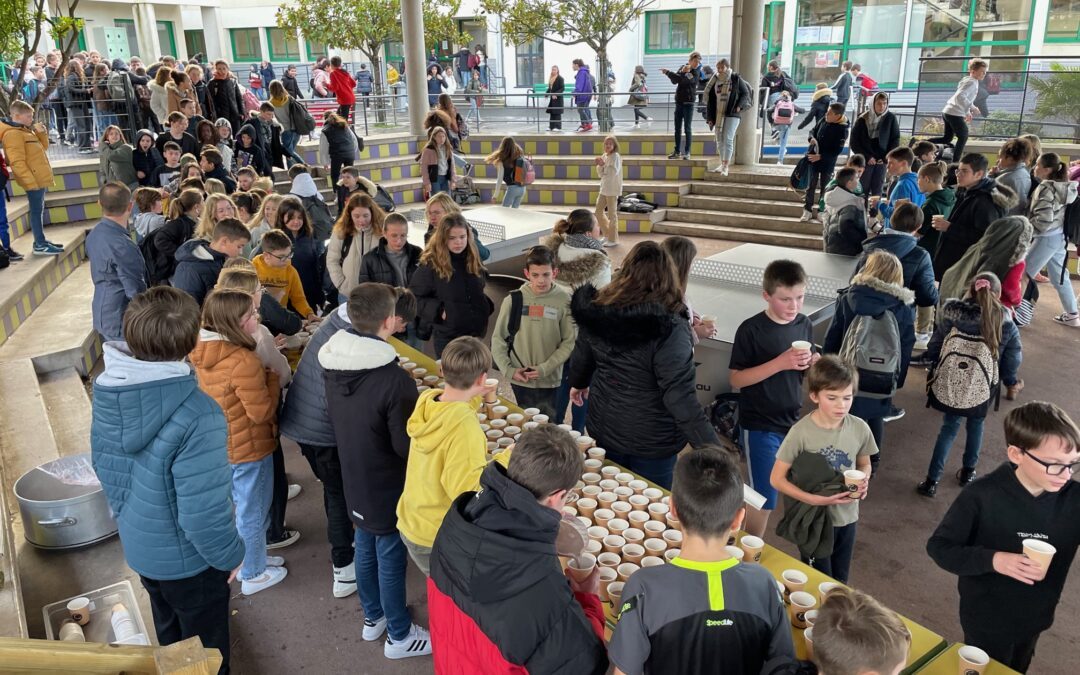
x: 613, y: 543
x: 497, y: 423
x: 592, y: 491
x: 603, y: 516
x: 639, y: 503
x: 651, y: 561
x: 621, y: 509
x: 79, y: 609
x: 610, y: 472
x: 632, y: 535
x: 493, y: 395
x: 673, y: 538
x: 654, y: 529
x: 633, y: 553
x: 618, y: 525
x: 752, y: 546
x: 623, y: 492
x: 808, y: 637
x: 801, y: 603
x: 593, y: 465
x: 540, y: 419
x: 793, y: 580
x: 607, y: 575
x: 625, y: 570
x: 972, y: 660
x: 654, y: 494
x: 638, y: 518
x: 611, y: 560
x: 658, y: 511
x: 826, y: 587
x: 638, y: 486
x: 597, y: 453
x: 624, y: 478
x: 1039, y: 551
x: 672, y: 553
x: 505, y: 442
x: 591, y: 478
x: 594, y: 547
x: 811, y: 618
x: 608, y: 484
x: 582, y: 566
x: 801, y: 346
x: 735, y: 552
x: 597, y: 532
x: 655, y: 546
x: 500, y: 411
x: 516, y: 419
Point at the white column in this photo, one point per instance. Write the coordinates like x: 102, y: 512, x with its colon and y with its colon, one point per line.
x: 747, y: 62
x: 1038, y: 28
x: 412, y: 28
x: 214, y: 35
x: 146, y: 32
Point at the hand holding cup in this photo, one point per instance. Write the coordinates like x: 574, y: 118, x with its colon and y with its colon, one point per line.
x: 939, y: 223
x: 1019, y: 567
x: 589, y: 584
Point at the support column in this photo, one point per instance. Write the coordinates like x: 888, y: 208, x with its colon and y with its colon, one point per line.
x: 214, y: 35
x: 412, y: 29
x: 146, y: 32
x: 747, y: 62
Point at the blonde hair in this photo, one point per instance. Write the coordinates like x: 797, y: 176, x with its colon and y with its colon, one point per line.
x: 215, y: 187
x: 883, y: 266
x: 437, y: 253
x: 239, y: 278
x: 205, y: 227
x: 264, y: 183
x: 614, y: 141
x: 223, y: 312
x: 854, y: 633
x: 985, y: 291
x: 260, y: 215
x: 449, y: 206
x: 359, y: 200
x: 464, y: 360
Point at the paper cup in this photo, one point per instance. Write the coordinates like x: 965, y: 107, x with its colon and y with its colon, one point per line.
x: 79, y: 609
x: 607, y: 575
x: 673, y: 538
x: 500, y: 411
x: 651, y: 561
x: 496, y: 423
x: 70, y: 631
x: 505, y: 442
x: 801, y: 603
x: 585, y: 523
x: 606, y: 499
x: 621, y: 509
x: 608, y: 484
x: 493, y: 395
x: 421, y: 373
x: 529, y: 412
x: 594, y: 547
x: 811, y: 618
x: 570, y: 511
x: 611, y: 560
x: 566, y: 427
x: 658, y: 511
x: 594, y: 466
x: 672, y: 553
x: 492, y: 446
x: 633, y: 553
x: 624, y: 478
x: 614, y: 592
x: 801, y: 346
x: 591, y: 478
x: 517, y: 419
x: 586, y: 506
x: 511, y: 430
x: 603, y: 516
x: 972, y: 660
x: 1040, y: 552
x: 638, y: 519
x: 530, y: 425
x: 626, y: 569
x: 655, y: 546
x: 609, y: 472
x: 853, y: 479
x: 410, y: 366
x: 752, y: 546
x: 584, y: 443
x: 632, y: 535
x: 540, y: 419
x: 639, y: 502
x: 582, y: 566
x: 826, y: 587
x: 618, y: 525
x: 431, y: 380
x: 623, y: 492
x: 638, y: 486
x: 591, y: 491
x: 597, y: 453
x: 672, y: 521
x: 613, y: 543
x: 653, y: 494
x: 793, y: 580
x: 808, y: 637
x: 735, y: 552
x: 654, y: 529
x: 597, y: 532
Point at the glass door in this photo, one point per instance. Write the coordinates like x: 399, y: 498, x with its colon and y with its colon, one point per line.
x: 772, y: 40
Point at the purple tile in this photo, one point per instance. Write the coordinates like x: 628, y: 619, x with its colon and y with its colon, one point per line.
x: 9, y: 326
x: 72, y: 181
x: 561, y: 170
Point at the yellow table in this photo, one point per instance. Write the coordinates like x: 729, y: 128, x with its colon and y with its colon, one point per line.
x: 925, y: 644
x: 947, y: 662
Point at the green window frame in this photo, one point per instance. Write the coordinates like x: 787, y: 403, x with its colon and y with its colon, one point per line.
x: 651, y: 17
x: 250, y: 40
x: 283, y: 45
x: 167, y: 26
x: 914, y: 49
x: 80, y: 42
x: 195, y: 42
x: 168, y: 48
x: 314, y: 49
x: 1057, y: 8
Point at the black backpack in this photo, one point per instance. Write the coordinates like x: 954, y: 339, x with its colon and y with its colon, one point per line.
x: 724, y: 416
x: 517, y: 305
x: 156, y: 273
x: 383, y: 199
x: 1072, y: 231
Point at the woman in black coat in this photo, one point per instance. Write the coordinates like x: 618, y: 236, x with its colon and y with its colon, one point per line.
x: 449, y: 286
x: 634, y: 361
x: 874, y: 135
x: 79, y: 91
x: 555, y: 89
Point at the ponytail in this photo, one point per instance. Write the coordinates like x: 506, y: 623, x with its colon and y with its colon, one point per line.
x: 186, y: 201
x: 578, y: 221
x: 1052, y: 161
x: 985, y: 290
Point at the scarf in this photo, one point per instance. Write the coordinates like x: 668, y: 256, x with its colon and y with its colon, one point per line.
x: 584, y: 241
x: 278, y: 102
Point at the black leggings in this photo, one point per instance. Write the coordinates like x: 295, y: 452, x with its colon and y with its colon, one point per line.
x: 955, y: 126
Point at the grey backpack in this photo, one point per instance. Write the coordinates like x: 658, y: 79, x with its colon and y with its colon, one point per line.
x: 872, y: 345
x: 965, y: 378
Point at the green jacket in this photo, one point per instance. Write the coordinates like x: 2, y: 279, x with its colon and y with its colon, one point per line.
x: 938, y: 203
x: 810, y: 527
x: 544, y: 341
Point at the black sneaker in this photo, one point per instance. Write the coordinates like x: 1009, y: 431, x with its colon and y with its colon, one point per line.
x: 894, y: 414
x: 674, y: 155
x: 920, y: 361
x: 965, y: 476
x: 927, y: 488
x: 14, y: 255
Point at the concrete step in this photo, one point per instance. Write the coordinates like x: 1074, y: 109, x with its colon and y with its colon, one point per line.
x: 759, y: 207
x: 644, y: 167
x: 26, y: 284
x: 68, y: 407
x: 774, y: 193
x: 583, y: 193
x: 738, y: 219
x: 60, y: 333
x: 754, y: 175
x: 571, y: 144
x: 742, y: 234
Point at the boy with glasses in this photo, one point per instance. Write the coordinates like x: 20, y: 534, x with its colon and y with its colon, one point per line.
x: 981, y: 538
x: 277, y: 274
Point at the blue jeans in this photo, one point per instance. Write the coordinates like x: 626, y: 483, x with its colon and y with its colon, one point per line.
x: 684, y: 116
x: 441, y: 184
x: 1050, y: 252
x: 103, y: 120
x: 584, y: 114
x: 5, y: 234
x: 562, y: 399
x: 412, y: 339
x: 381, y: 563
x: 252, y: 492
x: 36, y: 199
x: 289, y: 139
x: 950, y: 427
x: 838, y: 564
x: 463, y: 78
x: 783, y: 130
x: 514, y: 195
x: 657, y: 469
x: 761, y: 447
x: 725, y: 137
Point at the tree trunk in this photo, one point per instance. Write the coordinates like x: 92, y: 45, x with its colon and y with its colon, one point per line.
x: 377, y: 89
x: 604, y: 120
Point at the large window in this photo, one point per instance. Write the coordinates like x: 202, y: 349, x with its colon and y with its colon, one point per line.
x: 877, y: 21
x: 165, y: 40
x: 530, y: 63
x: 283, y: 44
x: 820, y: 22
x: 1063, y: 21
x: 194, y: 42
x: 670, y: 32
x: 934, y: 21
x: 246, y: 45
x: 315, y: 49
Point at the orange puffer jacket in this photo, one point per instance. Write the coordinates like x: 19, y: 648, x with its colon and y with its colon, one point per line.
x: 247, y: 392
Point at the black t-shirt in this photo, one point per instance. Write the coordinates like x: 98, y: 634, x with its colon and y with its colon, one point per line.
x: 187, y: 143
x: 774, y: 403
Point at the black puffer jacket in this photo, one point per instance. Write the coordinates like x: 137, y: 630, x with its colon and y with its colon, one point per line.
x: 888, y: 137
x: 976, y: 207
x: 376, y: 265
x: 638, y: 363
x: 461, y: 297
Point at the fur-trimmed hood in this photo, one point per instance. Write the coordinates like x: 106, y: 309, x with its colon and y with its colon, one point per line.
x: 1004, y: 196
x: 962, y: 313
x: 577, y: 266
x: 873, y: 296
x: 622, y: 326
x: 822, y: 93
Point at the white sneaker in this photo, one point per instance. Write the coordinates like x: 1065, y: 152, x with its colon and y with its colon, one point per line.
x: 724, y: 170
x: 294, y: 490
x: 271, y: 577
x: 416, y: 643
x: 807, y: 216
x: 922, y: 341
x: 275, y: 561
x: 1067, y: 319
x: 345, y: 582
x: 373, y: 630
x: 717, y: 169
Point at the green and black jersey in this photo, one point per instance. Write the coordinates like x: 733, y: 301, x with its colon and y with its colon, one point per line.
x: 692, y: 617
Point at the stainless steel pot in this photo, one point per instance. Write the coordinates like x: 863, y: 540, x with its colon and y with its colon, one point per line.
x: 63, y: 513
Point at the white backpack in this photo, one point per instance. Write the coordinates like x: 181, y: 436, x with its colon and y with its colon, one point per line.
x: 965, y: 378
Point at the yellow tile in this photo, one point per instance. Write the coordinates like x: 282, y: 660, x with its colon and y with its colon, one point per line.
x: 546, y: 197
x: 572, y: 171
x: 88, y: 180
x: 576, y: 148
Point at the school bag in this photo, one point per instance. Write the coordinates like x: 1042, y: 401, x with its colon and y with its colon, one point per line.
x: 302, y: 120
x: 723, y: 414
x: 251, y: 102
x: 965, y: 378
x: 867, y: 83
x: 783, y: 112
x: 800, y: 175
x: 157, y: 269
x: 592, y: 82
x: 872, y: 345
x: 465, y: 192
x: 524, y: 172
x: 117, y: 83
x: 787, y: 84
x: 513, y: 325
x: 383, y: 199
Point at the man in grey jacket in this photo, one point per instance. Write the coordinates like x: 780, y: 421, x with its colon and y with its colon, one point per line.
x: 116, y: 265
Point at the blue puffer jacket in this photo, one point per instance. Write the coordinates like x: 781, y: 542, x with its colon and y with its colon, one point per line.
x: 158, y: 447
x: 918, y: 268
x: 304, y: 418
x: 907, y: 187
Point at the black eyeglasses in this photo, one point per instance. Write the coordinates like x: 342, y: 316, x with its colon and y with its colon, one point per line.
x: 1052, y: 468
x: 287, y: 256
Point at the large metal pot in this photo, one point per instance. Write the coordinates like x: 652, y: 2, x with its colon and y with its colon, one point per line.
x: 63, y: 505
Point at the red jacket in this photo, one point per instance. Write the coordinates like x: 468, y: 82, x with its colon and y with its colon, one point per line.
x: 459, y: 647
x: 343, y: 86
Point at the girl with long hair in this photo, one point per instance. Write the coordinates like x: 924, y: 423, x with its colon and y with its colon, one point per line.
x: 205, y: 136
x: 357, y: 231
x: 178, y: 88
x: 556, y: 100
x: 510, y: 158
x: 609, y: 168
x: 437, y: 163
x: 980, y: 313
x: 283, y: 112
x: 78, y: 95
x: 185, y: 210
x: 218, y: 207
x: 159, y: 96
x: 116, y: 158
x: 230, y: 372
x: 263, y: 221
x: 309, y: 254
x: 440, y: 204
x: 639, y: 95
x: 104, y: 113
x: 449, y: 285
x: 1047, y: 215
x: 634, y: 362
x: 682, y: 252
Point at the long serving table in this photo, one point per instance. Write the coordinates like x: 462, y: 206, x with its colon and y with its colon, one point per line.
x: 727, y: 285
x: 946, y: 663
x: 925, y: 644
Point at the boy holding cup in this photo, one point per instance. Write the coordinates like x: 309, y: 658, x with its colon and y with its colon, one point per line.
x: 1000, y: 527
x: 846, y: 443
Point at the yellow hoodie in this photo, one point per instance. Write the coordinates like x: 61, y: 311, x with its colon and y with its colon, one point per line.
x: 446, y: 458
